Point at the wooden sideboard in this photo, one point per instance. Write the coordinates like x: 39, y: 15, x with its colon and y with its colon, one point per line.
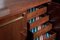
x: 15, y: 25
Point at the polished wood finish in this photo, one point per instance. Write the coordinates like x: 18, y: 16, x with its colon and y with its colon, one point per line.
x: 43, y: 31
x: 36, y: 13
x: 17, y: 9
x: 39, y: 22
x: 9, y: 19
x: 17, y: 30
x: 22, y: 6
x: 13, y: 31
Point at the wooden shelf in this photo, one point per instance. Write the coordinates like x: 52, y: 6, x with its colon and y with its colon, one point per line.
x: 43, y: 31
x: 51, y: 37
x: 36, y: 13
x: 39, y: 22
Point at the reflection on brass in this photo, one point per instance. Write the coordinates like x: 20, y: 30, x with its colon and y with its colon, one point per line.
x: 11, y: 21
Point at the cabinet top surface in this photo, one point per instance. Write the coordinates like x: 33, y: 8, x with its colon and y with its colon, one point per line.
x: 21, y: 6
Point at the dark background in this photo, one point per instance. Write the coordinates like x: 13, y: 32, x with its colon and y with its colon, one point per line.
x: 54, y: 12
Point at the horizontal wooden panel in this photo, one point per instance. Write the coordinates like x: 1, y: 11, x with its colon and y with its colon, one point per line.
x: 43, y: 31
x: 39, y: 22
x: 51, y: 37
x: 36, y: 13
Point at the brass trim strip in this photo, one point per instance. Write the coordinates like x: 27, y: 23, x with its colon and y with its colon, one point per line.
x: 11, y: 21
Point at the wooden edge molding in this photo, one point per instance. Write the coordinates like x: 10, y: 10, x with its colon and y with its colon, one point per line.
x: 36, y: 13
x: 39, y: 22
x: 43, y: 31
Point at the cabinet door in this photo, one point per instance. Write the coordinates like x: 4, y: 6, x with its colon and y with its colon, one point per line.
x: 14, y: 30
